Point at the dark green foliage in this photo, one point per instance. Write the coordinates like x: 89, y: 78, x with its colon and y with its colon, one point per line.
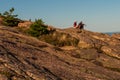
x: 38, y: 28
x: 9, y: 13
x: 39, y: 22
x: 0, y: 14
x: 9, y: 19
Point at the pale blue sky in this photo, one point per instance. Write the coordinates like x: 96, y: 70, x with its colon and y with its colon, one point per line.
x: 98, y: 15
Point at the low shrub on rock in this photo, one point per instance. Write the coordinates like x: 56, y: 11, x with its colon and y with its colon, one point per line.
x: 9, y: 19
x: 37, y: 28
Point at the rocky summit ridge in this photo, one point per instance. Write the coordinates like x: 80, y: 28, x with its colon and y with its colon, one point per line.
x: 83, y: 55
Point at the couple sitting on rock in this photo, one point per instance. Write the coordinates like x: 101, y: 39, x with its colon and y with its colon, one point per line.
x: 79, y: 26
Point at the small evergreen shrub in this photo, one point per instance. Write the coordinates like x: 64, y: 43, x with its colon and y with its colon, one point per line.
x: 9, y: 19
x: 38, y: 28
x: 0, y: 14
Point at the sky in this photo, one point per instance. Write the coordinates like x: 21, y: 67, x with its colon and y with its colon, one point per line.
x: 98, y: 15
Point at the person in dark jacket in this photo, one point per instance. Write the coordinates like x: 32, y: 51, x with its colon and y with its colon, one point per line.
x: 81, y: 25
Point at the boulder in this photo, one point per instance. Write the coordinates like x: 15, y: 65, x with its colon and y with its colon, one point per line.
x: 25, y: 24
x: 117, y: 36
